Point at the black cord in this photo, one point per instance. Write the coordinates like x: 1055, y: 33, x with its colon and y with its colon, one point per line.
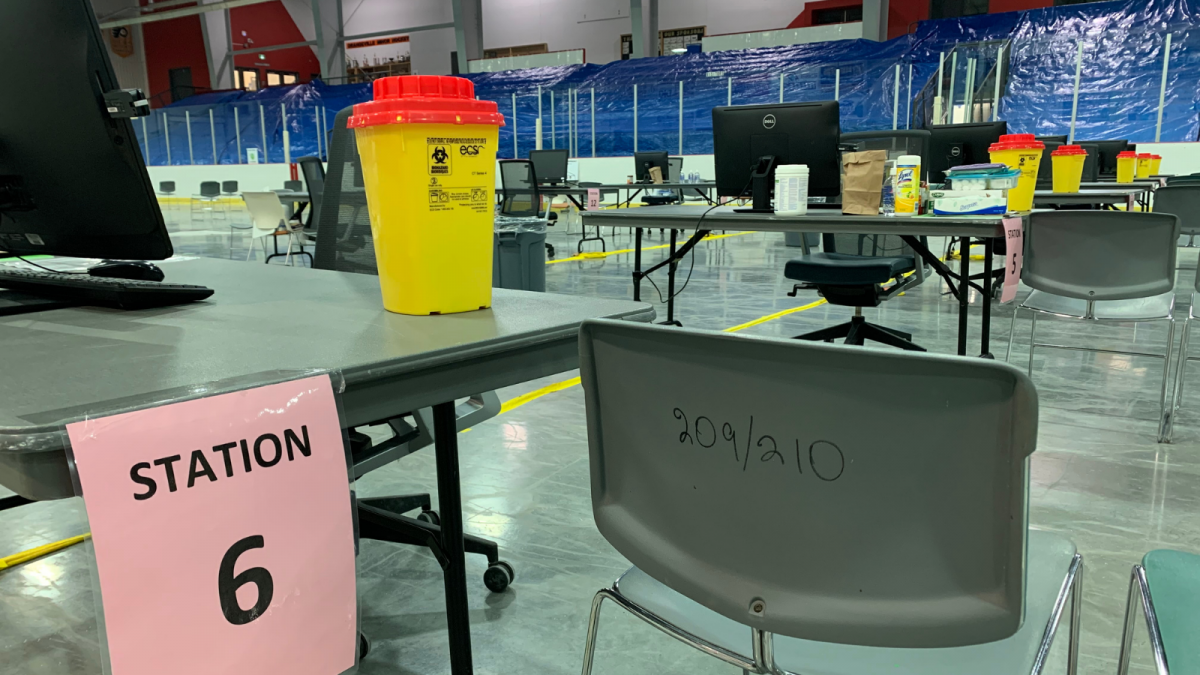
x: 30, y: 262
x: 693, y: 253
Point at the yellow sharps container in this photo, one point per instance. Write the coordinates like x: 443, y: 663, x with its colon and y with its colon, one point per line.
x: 428, y: 153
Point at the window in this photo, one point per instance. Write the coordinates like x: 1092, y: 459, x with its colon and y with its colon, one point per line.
x: 247, y: 78
x: 824, y: 17
x: 950, y: 9
x: 278, y: 77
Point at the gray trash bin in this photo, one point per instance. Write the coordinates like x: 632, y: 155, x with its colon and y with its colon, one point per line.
x: 519, y: 261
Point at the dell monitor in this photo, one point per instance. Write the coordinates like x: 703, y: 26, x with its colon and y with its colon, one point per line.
x: 749, y: 141
x: 1091, y: 165
x: 72, y: 179
x: 1045, y: 177
x: 549, y: 166
x: 644, y: 161
x: 954, y: 145
x: 1108, y: 154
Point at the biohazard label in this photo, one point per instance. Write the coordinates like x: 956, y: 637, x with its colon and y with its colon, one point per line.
x: 439, y: 160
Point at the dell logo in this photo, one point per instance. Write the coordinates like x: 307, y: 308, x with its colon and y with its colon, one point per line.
x: 769, y: 122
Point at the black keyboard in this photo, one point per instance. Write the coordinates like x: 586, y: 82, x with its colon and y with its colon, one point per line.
x: 83, y: 289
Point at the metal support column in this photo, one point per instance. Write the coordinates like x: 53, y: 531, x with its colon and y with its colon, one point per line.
x: 187, y: 118
x: 212, y: 134
x: 950, y: 98
x: 262, y: 121
x: 781, y: 76
x: 908, y: 100
x: 837, y: 84
x: 320, y: 33
x: 896, y: 100
x: 681, y: 117
x: 167, y: 138
x: 593, y: 111
x: 729, y: 91
x: 938, y: 101
x: 517, y: 155
x: 638, y: 31
x: 237, y: 130
x: 1162, y: 87
x: 996, y: 89
x: 287, y: 139
x: 145, y: 142
x: 1075, y: 96
x: 553, y: 130
x: 635, y: 118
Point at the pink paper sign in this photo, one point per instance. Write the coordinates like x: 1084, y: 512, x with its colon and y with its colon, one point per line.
x: 223, y: 533
x: 593, y: 198
x: 1015, y: 241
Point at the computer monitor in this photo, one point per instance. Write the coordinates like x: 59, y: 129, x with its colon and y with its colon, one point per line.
x: 72, y: 179
x: 895, y: 143
x: 749, y: 141
x: 1091, y: 165
x: 1108, y: 154
x: 958, y: 144
x: 1045, y: 177
x: 549, y: 166
x: 1061, y: 139
x: 643, y: 161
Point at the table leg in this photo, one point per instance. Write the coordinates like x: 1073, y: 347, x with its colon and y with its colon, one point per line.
x: 986, y: 339
x: 458, y: 622
x: 637, y: 263
x: 964, y: 296
x: 671, y: 286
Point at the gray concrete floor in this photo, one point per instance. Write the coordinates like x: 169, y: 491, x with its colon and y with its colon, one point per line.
x: 1099, y: 478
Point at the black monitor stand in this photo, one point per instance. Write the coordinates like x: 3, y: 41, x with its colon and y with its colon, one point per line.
x: 760, y: 185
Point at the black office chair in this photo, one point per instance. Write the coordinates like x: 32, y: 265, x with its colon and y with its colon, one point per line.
x: 314, y: 178
x: 522, y: 199
x: 229, y: 188
x: 674, y: 172
x: 346, y: 245
x: 852, y: 271
x: 293, y: 185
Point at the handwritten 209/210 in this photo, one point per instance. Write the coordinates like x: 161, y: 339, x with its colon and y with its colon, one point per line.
x: 824, y: 458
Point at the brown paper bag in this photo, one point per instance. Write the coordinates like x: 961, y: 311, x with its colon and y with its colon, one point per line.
x: 656, y: 174
x: 862, y: 184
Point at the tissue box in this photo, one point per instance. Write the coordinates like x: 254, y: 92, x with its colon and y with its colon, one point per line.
x: 970, y: 206
x: 990, y: 194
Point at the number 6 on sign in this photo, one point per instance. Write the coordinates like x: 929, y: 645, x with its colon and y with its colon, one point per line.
x: 222, y: 532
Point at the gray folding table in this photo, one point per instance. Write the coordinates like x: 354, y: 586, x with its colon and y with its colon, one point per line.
x: 65, y: 364
x: 1110, y: 195
x: 985, y: 228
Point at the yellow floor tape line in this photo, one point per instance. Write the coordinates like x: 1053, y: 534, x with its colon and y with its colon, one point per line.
x: 34, y: 553
x: 593, y: 255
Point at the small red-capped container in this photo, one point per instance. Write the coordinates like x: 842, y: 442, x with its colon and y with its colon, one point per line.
x: 1024, y: 152
x: 1066, y: 165
x: 428, y: 154
x: 1145, y: 161
x: 1126, y: 166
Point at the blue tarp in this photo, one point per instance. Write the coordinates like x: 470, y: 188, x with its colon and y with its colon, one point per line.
x: 1123, y: 44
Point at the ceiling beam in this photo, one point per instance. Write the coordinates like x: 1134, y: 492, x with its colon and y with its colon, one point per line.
x: 176, y: 13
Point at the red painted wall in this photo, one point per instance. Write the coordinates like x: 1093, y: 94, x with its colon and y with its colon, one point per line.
x: 175, y: 43
x: 268, y: 24
x: 903, y: 14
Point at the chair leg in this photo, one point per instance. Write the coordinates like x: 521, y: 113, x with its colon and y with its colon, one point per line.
x: 1165, y: 414
x: 1181, y: 368
x: 589, y: 646
x: 1012, y: 332
x: 1132, y: 603
x: 1076, y: 610
x: 1032, y: 339
x: 287, y: 259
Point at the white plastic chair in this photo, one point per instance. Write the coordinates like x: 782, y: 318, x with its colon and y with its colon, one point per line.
x: 267, y: 217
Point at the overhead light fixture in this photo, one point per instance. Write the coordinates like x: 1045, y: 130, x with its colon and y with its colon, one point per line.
x: 679, y: 50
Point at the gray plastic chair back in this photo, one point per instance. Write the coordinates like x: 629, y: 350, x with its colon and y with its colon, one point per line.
x: 521, y: 195
x: 166, y: 187
x: 1101, y: 255
x: 229, y: 187
x: 210, y: 188
x: 1182, y: 200
x: 314, y: 178
x: 344, y: 222
x: 733, y: 469
x: 293, y: 185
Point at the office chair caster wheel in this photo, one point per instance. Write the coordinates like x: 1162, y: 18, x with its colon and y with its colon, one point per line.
x: 364, y: 646
x: 498, y: 576
x: 430, y: 517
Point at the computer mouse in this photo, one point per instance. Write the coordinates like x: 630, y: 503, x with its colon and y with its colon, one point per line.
x: 137, y: 270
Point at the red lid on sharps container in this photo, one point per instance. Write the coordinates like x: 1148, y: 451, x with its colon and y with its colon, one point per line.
x: 1016, y: 142
x: 1068, y: 150
x: 424, y: 99
x: 1128, y: 154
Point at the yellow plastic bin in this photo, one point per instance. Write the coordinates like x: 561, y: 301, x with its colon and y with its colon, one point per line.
x: 428, y: 152
x: 1155, y: 165
x: 1067, y: 162
x: 1144, y: 160
x: 1126, y: 166
x: 1024, y: 152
